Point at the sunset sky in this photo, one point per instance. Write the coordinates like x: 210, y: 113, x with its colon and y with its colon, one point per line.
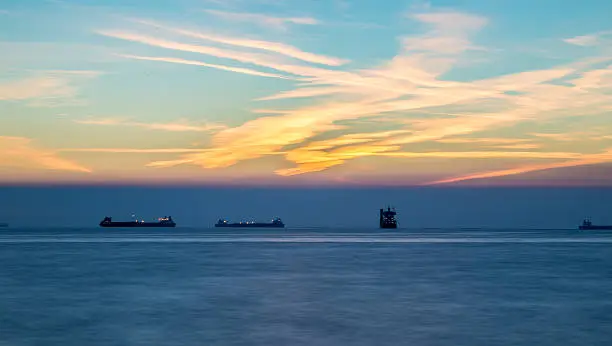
x: 304, y: 91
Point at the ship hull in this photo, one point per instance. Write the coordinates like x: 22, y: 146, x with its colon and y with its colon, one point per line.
x: 249, y: 225
x: 388, y: 226
x: 593, y: 227
x: 3, y: 225
x: 136, y: 224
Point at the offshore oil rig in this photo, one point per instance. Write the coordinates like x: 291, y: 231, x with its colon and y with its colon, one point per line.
x: 387, y: 218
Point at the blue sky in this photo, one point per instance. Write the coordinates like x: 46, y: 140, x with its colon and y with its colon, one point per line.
x: 298, y: 92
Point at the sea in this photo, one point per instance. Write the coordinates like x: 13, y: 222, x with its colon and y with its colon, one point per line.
x: 310, y: 286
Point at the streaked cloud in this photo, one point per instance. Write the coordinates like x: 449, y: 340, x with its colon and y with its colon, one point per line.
x: 597, y: 134
x: 262, y: 19
x: 494, y: 141
x: 600, y: 38
x: 198, y: 63
x: 518, y: 146
x: 275, y: 62
x: 179, y: 126
x: 20, y: 152
x: 321, y: 155
x: 555, y: 136
x: 441, y: 94
x: 206, y: 50
x: 583, y: 160
x: 490, y: 155
x: 45, y: 88
x: 260, y: 59
x: 129, y: 150
x: 410, y: 83
x: 276, y: 47
x: 317, y: 160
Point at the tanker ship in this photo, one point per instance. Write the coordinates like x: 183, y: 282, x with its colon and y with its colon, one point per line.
x: 276, y: 223
x: 165, y: 221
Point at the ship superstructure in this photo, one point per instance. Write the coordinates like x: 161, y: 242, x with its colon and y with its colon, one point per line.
x: 387, y: 218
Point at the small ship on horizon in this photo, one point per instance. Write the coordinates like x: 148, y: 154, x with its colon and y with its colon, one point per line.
x: 161, y: 222
x: 276, y: 223
x: 387, y: 218
x: 3, y: 225
x: 588, y: 225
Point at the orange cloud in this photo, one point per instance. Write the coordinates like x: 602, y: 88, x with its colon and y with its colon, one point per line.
x: 410, y: 86
x: 509, y: 141
x: 584, y: 160
x: 314, y: 158
x: 18, y: 152
x: 130, y: 150
x: 518, y: 146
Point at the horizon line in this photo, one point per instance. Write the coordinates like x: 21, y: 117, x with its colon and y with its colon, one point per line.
x: 292, y: 186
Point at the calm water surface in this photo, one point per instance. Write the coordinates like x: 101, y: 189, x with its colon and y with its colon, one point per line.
x: 305, y: 287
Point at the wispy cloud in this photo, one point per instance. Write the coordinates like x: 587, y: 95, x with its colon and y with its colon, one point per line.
x: 130, y: 150
x: 498, y: 143
x: 262, y: 19
x: 596, y: 39
x: 316, y: 119
x: 586, y: 40
x: 518, y: 146
x: 412, y: 83
x: 495, y: 141
x: 451, y: 21
x: 20, y: 152
x: 489, y: 155
x: 179, y: 126
x: 263, y: 60
x: 555, y: 136
x: 45, y: 88
x: 259, y: 59
x: 317, y: 157
x: 571, y: 136
x: 449, y: 32
x: 276, y: 47
x: 583, y: 161
x: 198, y: 63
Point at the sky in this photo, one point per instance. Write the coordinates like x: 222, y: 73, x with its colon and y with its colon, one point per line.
x: 288, y: 92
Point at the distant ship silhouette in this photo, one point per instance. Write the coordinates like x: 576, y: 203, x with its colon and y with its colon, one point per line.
x: 387, y: 218
x: 276, y: 223
x: 588, y: 225
x: 161, y: 222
